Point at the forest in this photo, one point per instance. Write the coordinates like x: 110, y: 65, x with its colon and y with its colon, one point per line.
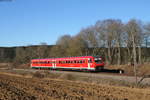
x: 117, y: 42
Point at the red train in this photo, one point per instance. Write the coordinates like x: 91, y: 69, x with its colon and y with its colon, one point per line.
x: 90, y: 63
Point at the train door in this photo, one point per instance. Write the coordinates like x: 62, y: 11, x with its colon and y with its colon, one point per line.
x: 53, y: 64
x: 89, y: 61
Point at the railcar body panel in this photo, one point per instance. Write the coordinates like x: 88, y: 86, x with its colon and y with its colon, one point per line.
x: 85, y: 62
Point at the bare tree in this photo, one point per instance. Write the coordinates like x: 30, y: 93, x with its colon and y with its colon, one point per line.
x: 57, y: 51
x: 117, y: 28
x: 77, y: 46
x: 147, y: 34
x: 133, y: 30
x: 64, y: 40
x: 110, y: 34
x: 90, y: 37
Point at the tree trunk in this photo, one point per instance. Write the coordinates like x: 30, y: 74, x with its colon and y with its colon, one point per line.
x: 109, y: 55
x: 139, y: 57
x: 119, y: 56
x: 134, y: 58
x: 106, y: 56
x: 129, y: 55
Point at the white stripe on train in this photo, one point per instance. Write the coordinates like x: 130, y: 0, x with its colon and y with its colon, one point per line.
x: 63, y: 67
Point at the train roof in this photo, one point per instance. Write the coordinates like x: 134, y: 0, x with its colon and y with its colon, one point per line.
x: 67, y: 57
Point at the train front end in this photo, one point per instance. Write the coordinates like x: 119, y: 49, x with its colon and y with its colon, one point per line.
x: 99, y: 63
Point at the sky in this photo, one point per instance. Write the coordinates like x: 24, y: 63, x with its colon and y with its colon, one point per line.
x: 31, y: 22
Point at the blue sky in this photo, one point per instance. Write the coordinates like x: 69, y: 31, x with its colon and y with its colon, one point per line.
x: 26, y: 22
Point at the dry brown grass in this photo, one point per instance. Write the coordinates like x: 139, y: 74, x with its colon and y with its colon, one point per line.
x: 17, y: 88
x: 143, y: 69
x: 72, y: 77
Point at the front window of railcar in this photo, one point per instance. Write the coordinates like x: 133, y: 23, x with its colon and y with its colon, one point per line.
x: 98, y: 60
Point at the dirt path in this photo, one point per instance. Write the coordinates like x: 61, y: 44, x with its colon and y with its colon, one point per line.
x: 19, y: 88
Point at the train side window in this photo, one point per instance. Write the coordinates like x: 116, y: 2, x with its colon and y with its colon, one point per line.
x: 59, y: 62
x: 90, y: 61
x: 83, y: 61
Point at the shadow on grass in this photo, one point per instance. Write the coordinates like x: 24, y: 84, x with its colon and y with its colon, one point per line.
x: 99, y: 71
x: 112, y: 71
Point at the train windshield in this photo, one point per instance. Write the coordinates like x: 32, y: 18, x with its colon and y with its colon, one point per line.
x: 98, y: 60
